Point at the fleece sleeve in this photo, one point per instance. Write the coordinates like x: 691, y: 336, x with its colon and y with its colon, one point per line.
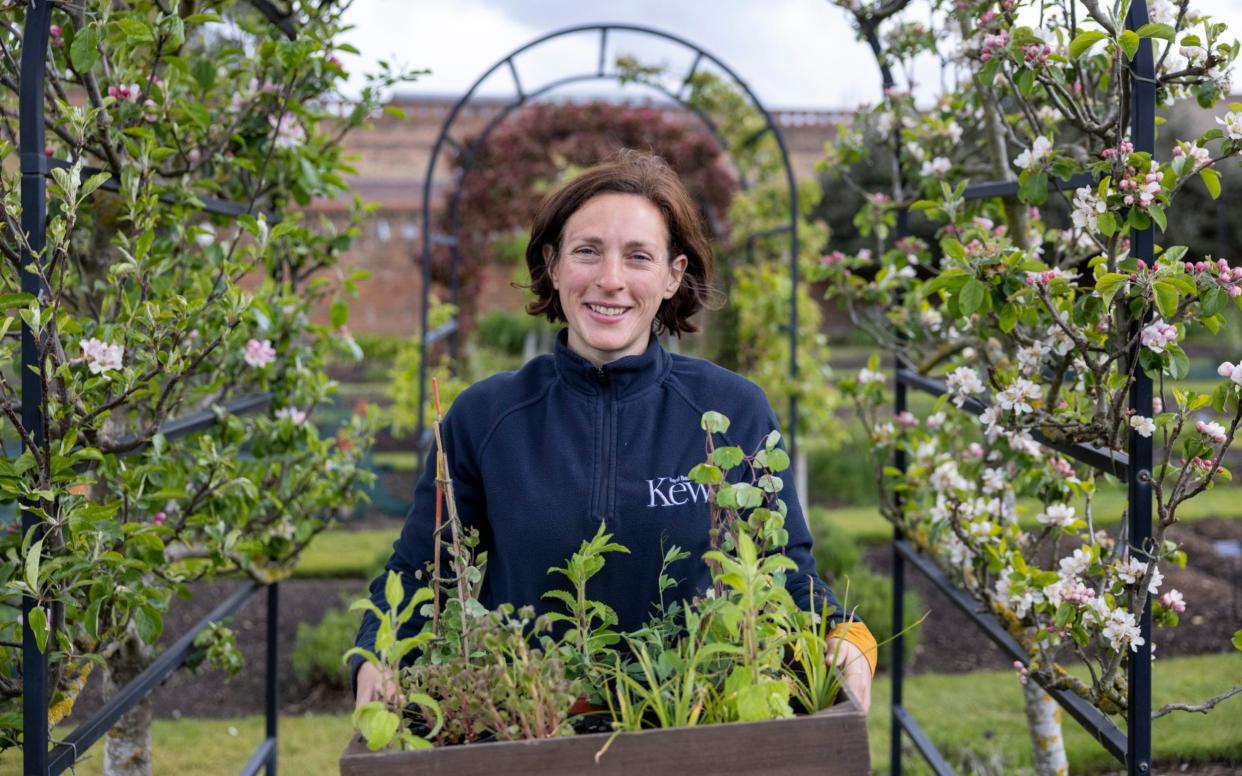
x: 414, y: 549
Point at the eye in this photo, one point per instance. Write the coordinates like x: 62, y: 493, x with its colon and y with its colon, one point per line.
x: 641, y: 257
x: 584, y: 250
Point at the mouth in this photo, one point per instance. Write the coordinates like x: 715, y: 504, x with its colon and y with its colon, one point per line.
x: 607, y: 311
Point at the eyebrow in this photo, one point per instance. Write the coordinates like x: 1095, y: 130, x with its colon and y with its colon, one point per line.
x: 629, y: 245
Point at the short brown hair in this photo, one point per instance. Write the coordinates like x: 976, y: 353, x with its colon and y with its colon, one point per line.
x: 628, y: 172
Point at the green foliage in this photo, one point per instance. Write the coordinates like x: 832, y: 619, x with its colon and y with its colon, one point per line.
x: 155, y: 309
x: 837, y: 476
x: 836, y: 550
x: 318, y: 647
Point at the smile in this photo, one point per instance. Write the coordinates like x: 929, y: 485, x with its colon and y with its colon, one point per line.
x: 605, y: 310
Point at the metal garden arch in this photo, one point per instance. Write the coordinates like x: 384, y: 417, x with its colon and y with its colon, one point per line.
x: 522, y: 97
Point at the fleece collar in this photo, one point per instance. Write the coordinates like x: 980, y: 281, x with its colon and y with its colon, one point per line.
x: 624, y: 377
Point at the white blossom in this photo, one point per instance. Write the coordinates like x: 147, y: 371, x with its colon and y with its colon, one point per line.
x: 1232, y: 122
x: 100, y: 356
x: 1016, y: 396
x: 962, y: 382
x: 1031, y: 158
x: 297, y: 416
x: 1121, y: 631
x: 936, y: 167
x: 1087, y: 208
x: 1077, y: 564
x: 993, y: 480
x: 1158, y: 335
x: 868, y: 376
x: 1144, y: 426
x: 1061, y: 515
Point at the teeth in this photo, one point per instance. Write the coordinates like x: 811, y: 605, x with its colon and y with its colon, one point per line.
x: 606, y: 310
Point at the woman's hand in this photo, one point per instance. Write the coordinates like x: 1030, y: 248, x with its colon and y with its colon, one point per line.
x: 855, y: 671
x: 374, y: 685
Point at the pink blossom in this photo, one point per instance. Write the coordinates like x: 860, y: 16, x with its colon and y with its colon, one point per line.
x: 1173, y: 600
x: 906, y: 419
x: 54, y: 30
x: 158, y: 518
x: 100, y: 357
x: 259, y: 354
x: 832, y: 258
x: 293, y: 414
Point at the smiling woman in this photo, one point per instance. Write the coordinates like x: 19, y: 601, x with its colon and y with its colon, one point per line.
x: 605, y: 430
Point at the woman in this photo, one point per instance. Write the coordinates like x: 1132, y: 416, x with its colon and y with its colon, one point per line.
x: 607, y: 427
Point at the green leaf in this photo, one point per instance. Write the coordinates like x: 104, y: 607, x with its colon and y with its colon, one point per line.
x: 1129, y: 43
x: 377, y: 725
x: 38, y: 626
x: 1109, y: 284
x: 33, y: 558
x: 1179, y: 363
x: 1085, y: 40
x: 714, y: 423
x: 1166, y: 297
x: 1008, y: 317
x: 775, y: 459
x: 340, y: 313
x: 706, y: 474
x: 1033, y: 187
x: 727, y: 457
x: 1106, y: 223
x: 135, y: 30
x: 970, y: 299
x: 1237, y: 640
x: 150, y: 623
x: 1157, y: 215
x: 1213, y: 301
x: 1211, y: 179
x: 1156, y: 30
x: 393, y: 592
x: 84, y: 52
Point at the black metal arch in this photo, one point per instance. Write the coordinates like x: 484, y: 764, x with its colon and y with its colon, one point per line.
x: 521, y: 98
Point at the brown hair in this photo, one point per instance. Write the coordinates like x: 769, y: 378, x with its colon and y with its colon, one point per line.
x: 628, y: 172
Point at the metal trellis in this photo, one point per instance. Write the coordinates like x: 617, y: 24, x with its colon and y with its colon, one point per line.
x: 35, y: 168
x: 1133, y: 746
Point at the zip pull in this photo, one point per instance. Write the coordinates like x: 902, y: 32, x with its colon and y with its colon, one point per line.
x: 600, y: 374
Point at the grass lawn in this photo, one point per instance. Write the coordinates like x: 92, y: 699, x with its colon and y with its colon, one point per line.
x: 353, y: 554
x: 980, y: 712
x: 983, y: 712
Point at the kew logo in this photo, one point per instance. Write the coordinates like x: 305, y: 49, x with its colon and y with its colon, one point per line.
x: 675, y: 491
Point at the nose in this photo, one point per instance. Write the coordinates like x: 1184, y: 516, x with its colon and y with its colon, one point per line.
x: 611, y: 275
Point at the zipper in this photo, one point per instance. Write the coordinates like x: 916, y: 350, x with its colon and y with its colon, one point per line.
x: 603, y: 505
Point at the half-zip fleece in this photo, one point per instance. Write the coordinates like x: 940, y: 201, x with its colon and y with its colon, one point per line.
x: 539, y: 457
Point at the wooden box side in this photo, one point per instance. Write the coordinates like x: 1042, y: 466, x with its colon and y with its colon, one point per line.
x: 832, y: 742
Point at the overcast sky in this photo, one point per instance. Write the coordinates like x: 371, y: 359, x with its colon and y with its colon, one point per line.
x: 793, y: 53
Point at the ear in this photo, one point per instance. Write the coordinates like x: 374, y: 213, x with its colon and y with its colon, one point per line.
x: 677, y: 270
x: 549, y: 261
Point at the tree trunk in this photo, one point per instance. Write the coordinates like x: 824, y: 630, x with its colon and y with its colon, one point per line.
x: 127, y: 747
x: 1043, y: 717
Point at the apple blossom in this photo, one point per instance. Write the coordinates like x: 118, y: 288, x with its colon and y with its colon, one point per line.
x: 1144, y: 426
x: 259, y: 353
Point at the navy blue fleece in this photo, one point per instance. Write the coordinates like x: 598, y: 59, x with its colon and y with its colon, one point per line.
x: 540, y: 456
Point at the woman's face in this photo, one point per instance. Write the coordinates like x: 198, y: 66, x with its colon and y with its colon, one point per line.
x: 612, y: 274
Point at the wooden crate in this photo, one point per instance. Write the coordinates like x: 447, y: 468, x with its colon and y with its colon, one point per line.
x: 832, y: 742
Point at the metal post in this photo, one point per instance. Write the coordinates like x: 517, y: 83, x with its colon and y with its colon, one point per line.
x: 1138, y: 713
x: 34, y: 223
x: 899, y: 615
x: 273, y: 633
